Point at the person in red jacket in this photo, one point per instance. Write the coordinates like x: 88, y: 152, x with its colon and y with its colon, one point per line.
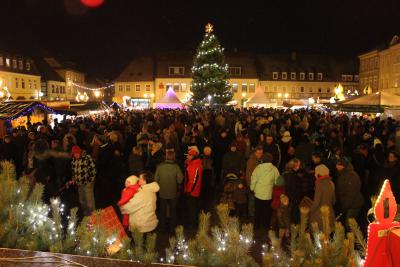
x: 131, y: 188
x: 192, y: 186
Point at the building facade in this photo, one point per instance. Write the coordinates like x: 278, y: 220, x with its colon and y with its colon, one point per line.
x: 19, y: 76
x: 71, y: 80
x: 283, y: 78
x: 380, y: 68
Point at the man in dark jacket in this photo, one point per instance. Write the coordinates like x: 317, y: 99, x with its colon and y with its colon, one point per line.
x: 348, y: 190
x: 273, y: 148
x: 234, y: 161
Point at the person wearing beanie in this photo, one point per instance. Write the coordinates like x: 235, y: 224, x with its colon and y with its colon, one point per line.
x: 348, y: 190
x: 131, y: 188
x: 193, y: 183
x: 324, y: 196
x: 83, y: 176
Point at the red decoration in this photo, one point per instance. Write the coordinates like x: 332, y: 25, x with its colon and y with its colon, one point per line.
x: 161, y: 86
x: 109, y: 220
x: 92, y: 3
x: 394, y: 247
x: 378, y: 247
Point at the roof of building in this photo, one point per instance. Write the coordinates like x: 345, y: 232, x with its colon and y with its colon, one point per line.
x: 32, y: 70
x: 15, y: 109
x: 47, y: 72
x: 254, y: 66
x: 58, y: 64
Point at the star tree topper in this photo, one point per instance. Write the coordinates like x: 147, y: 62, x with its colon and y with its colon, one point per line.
x: 209, y: 28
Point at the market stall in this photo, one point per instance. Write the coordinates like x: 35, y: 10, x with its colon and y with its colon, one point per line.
x: 169, y: 101
x: 259, y: 99
x: 384, y: 103
x: 15, y: 114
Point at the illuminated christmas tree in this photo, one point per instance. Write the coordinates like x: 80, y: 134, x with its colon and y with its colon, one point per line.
x: 210, y: 73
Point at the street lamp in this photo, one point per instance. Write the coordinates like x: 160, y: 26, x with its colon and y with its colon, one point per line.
x: 244, y: 94
x: 152, y: 95
x: 97, y: 94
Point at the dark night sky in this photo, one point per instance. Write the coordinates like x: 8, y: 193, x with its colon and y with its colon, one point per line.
x: 103, y: 40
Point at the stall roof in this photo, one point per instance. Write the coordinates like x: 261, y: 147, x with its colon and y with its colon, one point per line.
x: 258, y: 98
x: 371, y: 103
x: 14, y: 109
x: 88, y: 106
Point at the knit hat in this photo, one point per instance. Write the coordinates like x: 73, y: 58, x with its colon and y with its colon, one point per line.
x: 193, y: 151
x: 342, y: 161
x: 286, y: 137
x: 76, y: 150
x: 131, y: 180
x: 321, y: 170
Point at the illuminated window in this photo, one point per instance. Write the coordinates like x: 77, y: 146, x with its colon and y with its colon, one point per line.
x: 183, y: 87
x: 275, y: 75
x: 302, y: 75
x: 293, y: 75
x: 22, y: 83
x: 120, y: 88
x: 137, y: 87
x: 147, y: 87
x: 128, y: 88
x: 244, y: 87
x: 8, y: 62
x: 356, y: 78
x: 176, y: 70
x: 235, y: 87
x: 14, y: 63
x: 319, y: 76
x: 284, y: 76
x: 20, y: 64
x: 252, y: 88
x: 176, y: 87
x: 53, y: 89
x: 28, y: 66
x: 1, y: 61
x: 34, y: 85
x: 311, y: 76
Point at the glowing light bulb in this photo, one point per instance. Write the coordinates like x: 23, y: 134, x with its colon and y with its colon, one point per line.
x: 97, y: 94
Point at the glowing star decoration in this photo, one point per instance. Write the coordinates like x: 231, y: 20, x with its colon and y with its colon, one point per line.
x: 92, y: 3
x: 378, y: 249
x: 209, y: 28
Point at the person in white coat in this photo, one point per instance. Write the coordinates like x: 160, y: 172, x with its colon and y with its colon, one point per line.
x: 142, y: 207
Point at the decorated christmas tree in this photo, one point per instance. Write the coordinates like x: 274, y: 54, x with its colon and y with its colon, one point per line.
x: 210, y: 73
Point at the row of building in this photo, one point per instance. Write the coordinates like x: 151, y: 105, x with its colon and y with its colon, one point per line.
x: 283, y: 77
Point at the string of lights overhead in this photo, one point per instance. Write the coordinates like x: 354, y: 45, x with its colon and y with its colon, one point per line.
x: 91, y: 88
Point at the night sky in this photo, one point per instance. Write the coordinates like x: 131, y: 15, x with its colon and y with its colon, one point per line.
x: 103, y: 40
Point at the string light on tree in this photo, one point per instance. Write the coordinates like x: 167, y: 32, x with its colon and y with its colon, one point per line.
x: 209, y: 72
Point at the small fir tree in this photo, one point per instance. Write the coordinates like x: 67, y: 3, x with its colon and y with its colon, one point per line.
x: 210, y: 73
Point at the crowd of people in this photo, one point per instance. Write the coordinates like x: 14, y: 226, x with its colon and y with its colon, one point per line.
x: 160, y: 168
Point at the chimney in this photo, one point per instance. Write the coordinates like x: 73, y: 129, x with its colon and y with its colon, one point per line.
x: 293, y: 56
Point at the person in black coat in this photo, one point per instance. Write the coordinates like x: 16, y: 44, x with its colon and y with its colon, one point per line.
x: 233, y: 161
x: 391, y: 171
x: 273, y: 148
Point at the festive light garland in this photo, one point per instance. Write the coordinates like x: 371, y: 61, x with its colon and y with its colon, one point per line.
x: 92, y: 89
x: 214, y: 65
x: 29, y: 110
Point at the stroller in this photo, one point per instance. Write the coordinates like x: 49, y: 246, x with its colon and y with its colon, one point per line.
x: 233, y: 190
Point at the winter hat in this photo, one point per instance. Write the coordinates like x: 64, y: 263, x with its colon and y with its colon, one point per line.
x: 286, y: 137
x: 207, y: 151
x: 76, y: 150
x: 193, y: 151
x: 131, y: 180
x: 342, y: 161
x: 377, y: 142
x: 321, y: 170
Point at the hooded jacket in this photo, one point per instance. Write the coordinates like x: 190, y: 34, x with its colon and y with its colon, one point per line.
x: 263, y: 180
x: 194, y: 177
x: 142, y: 208
x: 349, y: 189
